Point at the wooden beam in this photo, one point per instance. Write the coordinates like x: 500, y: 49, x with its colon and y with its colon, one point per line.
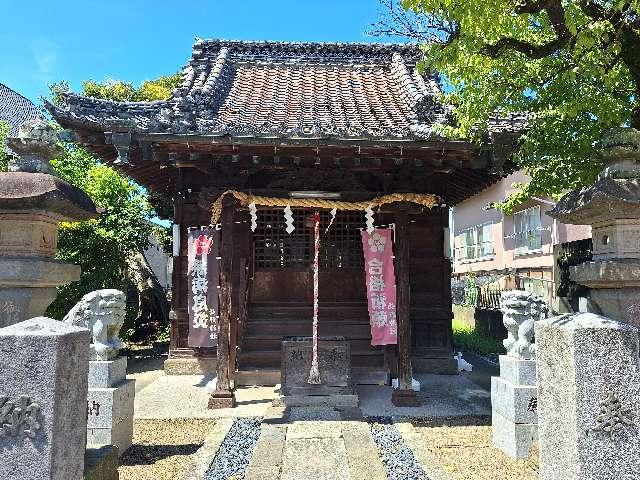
x: 403, y: 396
x: 223, y: 396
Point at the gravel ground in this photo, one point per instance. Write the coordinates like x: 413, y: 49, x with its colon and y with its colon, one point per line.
x: 235, y: 452
x: 162, y: 449
x: 397, y: 457
x: 466, y: 452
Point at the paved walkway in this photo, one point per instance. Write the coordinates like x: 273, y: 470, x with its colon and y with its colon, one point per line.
x: 315, y: 443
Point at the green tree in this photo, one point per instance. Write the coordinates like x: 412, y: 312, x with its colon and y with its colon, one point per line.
x: 4, y: 156
x: 573, y: 65
x: 109, y: 248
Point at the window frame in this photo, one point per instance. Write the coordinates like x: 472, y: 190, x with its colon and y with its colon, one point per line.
x: 477, y: 248
x: 531, y: 233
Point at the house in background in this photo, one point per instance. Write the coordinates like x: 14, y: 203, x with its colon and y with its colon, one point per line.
x: 16, y: 109
x: 511, y: 251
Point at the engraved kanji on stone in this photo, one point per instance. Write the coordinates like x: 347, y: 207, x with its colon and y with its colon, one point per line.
x: 612, y: 415
x: 16, y: 414
x: 533, y: 405
x: 94, y: 408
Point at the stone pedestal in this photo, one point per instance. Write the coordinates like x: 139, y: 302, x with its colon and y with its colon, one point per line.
x: 514, y: 406
x: 110, y: 404
x: 43, y: 398
x: 588, y: 390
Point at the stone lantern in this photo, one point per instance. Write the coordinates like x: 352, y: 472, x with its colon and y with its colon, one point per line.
x: 612, y: 207
x: 32, y: 203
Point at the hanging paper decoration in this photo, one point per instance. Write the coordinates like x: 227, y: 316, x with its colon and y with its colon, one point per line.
x: 381, y: 286
x: 288, y: 219
x: 314, y: 372
x: 202, y: 285
x: 253, y: 211
x: 333, y: 213
x: 369, y: 217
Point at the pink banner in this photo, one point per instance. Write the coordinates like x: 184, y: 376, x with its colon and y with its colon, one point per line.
x: 381, y: 286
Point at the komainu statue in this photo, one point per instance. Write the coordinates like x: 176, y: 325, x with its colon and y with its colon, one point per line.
x: 520, y: 310
x: 102, y: 312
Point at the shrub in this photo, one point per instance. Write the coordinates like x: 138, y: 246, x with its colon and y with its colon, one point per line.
x: 467, y: 339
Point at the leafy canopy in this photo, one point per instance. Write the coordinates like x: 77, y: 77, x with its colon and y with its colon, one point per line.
x: 573, y: 64
x: 4, y: 156
x: 102, y: 246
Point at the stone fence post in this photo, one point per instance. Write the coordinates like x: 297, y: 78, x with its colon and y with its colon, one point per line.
x: 588, y: 398
x: 43, y: 395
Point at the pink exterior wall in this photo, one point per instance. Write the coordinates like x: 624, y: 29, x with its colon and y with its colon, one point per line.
x: 471, y: 212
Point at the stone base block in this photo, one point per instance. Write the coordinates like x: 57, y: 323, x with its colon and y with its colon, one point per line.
x: 222, y: 399
x: 440, y: 366
x: 514, y: 439
x: 106, y: 374
x: 519, y: 372
x: 516, y: 403
x: 110, y: 415
x: 190, y: 366
x: 405, y: 398
x: 333, y: 401
x: 101, y: 463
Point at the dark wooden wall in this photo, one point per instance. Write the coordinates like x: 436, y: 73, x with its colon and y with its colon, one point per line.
x: 430, y: 282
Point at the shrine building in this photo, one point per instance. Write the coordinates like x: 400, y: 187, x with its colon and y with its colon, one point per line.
x: 314, y: 126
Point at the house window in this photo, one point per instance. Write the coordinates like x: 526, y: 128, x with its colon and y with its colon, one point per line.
x: 477, y: 242
x: 527, y: 230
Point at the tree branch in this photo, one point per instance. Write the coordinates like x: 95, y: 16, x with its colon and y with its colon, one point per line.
x: 556, y: 13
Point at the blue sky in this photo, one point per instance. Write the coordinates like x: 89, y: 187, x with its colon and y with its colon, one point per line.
x: 43, y: 42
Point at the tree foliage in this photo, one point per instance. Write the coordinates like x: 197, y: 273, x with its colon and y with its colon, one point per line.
x: 574, y: 65
x: 100, y: 246
x: 158, y: 89
x: 108, y: 248
x: 4, y: 156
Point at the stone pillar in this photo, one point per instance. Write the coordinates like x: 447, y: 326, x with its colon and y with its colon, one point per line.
x: 43, y: 398
x: 588, y: 390
x: 110, y: 401
x: 223, y: 396
x: 612, y: 207
x: 403, y: 396
x: 514, y: 393
x: 32, y: 203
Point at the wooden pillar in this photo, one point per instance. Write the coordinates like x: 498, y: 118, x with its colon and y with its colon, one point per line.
x: 404, y: 396
x: 223, y: 396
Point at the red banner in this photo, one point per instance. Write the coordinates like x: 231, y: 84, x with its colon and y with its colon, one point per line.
x: 381, y: 286
x: 203, y: 280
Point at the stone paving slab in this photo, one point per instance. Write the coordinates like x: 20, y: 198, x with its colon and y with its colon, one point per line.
x: 315, y: 458
x: 441, y: 396
x: 186, y: 396
x: 314, y: 429
x: 362, y: 453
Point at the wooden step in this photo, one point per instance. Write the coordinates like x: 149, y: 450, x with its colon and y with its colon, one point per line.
x: 274, y: 342
x: 297, y: 327
x: 268, y: 377
x: 253, y: 359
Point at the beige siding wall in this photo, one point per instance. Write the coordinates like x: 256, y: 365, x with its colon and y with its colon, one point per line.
x: 474, y: 212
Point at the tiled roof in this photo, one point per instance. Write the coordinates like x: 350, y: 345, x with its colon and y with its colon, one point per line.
x: 15, y: 109
x: 282, y: 90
